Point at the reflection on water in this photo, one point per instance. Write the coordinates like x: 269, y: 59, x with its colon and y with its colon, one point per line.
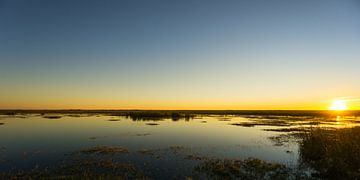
x: 181, y: 146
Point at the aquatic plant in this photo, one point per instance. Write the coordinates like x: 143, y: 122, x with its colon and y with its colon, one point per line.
x: 152, y: 124
x: 105, y: 150
x: 52, y: 116
x: 333, y: 153
x: 158, y: 115
x: 241, y: 169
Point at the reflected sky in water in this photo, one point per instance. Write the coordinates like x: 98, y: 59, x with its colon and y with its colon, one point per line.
x: 30, y: 140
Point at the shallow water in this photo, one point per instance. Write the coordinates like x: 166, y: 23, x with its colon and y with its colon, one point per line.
x: 162, y: 148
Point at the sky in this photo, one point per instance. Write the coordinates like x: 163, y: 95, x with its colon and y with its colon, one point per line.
x: 179, y: 54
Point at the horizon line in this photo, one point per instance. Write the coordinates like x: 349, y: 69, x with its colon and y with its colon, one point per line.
x: 19, y: 109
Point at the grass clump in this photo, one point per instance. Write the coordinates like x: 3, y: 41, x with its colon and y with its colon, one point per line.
x: 114, y: 120
x: 333, y: 153
x: 152, y: 124
x: 76, y: 168
x: 241, y: 169
x: 105, y: 150
x: 158, y: 115
x: 52, y: 116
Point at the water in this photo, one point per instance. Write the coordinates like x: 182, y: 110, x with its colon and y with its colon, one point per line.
x: 159, y: 149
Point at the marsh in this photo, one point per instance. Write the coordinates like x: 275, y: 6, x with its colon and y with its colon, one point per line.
x: 229, y: 145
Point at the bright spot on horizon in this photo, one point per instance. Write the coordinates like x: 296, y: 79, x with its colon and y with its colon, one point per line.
x: 339, y: 105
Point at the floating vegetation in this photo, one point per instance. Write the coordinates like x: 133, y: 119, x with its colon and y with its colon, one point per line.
x: 80, y: 168
x: 284, y: 139
x: 102, y: 169
x: 225, y: 119
x: 52, y: 116
x: 158, y: 115
x: 143, y: 134
x: 105, y: 150
x: 75, y: 115
x: 114, y: 120
x: 152, y: 124
x: 241, y: 169
x: 121, y: 135
x: 147, y: 152
x: 177, y: 148
x: 262, y: 123
x: 97, y: 137
x: 296, y: 129
x: 195, y: 157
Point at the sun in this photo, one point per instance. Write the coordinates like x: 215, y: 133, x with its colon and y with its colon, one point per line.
x: 338, y: 105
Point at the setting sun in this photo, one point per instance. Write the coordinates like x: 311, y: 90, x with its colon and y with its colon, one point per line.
x: 338, y: 105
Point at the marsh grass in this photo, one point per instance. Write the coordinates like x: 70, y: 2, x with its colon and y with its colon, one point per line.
x: 152, y: 124
x: 262, y: 122
x: 242, y: 169
x: 158, y: 115
x: 52, y: 116
x: 294, y: 129
x: 334, y: 153
x: 284, y: 139
x: 114, y: 120
x: 105, y: 150
x: 80, y: 168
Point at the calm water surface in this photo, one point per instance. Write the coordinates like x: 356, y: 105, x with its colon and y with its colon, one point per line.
x: 33, y: 140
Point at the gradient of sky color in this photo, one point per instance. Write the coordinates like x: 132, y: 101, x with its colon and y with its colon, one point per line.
x: 184, y: 54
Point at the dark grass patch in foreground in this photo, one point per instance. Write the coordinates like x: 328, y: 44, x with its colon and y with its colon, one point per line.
x: 92, y: 164
x: 2, y: 124
x: 334, y: 153
x: 108, y: 168
x: 80, y: 168
x: 244, y: 169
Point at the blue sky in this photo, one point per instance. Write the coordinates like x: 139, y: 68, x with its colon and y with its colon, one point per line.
x: 178, y: 54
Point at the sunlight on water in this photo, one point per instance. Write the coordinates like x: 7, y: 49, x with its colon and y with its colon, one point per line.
x: 173, y: 146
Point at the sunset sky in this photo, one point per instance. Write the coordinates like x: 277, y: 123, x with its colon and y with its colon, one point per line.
x: 184, y: 54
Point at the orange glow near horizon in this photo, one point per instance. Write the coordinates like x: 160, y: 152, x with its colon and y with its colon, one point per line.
x: 180, y: 102
x: 339, y: 105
